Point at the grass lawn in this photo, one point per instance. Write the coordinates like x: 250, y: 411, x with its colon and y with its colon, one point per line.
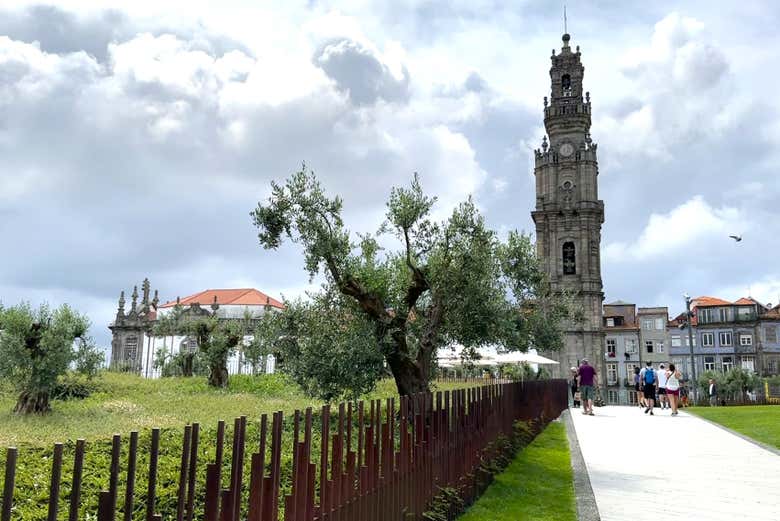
x: 128, y: 402
x: 760, y: 422
x: 125, y: 403
x: 537, y: 485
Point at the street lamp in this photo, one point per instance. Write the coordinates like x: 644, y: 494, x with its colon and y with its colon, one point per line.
x: 689, y: 324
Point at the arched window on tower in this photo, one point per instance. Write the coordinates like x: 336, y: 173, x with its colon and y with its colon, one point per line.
x: 566, y: 84
x: 569, y: 259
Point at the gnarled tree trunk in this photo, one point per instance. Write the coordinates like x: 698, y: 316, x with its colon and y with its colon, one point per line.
x: 218, y: 376
x: 33, y: 402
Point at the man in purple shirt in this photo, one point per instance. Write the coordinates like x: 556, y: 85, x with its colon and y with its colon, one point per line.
x: 586, y: 374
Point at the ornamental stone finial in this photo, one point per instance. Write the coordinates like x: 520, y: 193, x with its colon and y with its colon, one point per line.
x: 122, y: 301
x: 155, y: 300
x: 135, y: 298
x: 545, y: 102
x: 145, y: 287
x: 544, y: 143
x: 215, y: 304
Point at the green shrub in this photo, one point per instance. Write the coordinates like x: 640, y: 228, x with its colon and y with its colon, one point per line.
x: 73, y: 387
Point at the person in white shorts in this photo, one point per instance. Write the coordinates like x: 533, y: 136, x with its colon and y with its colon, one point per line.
x: 663, y: 400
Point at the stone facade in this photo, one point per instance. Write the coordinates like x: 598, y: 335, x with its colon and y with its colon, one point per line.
x: 130, y: 330
x: 568, y: 213
x: 621, y: 354
x: 653, y: 338
x: 134, y: 346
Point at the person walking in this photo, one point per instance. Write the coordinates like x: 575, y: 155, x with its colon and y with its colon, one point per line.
x: 575, y: 388
x: 661, y: 379
x: 586, y: 374
x: 713, y: 393
x: 640, y: 399
x: 649, y: 381
x: 673, y: 387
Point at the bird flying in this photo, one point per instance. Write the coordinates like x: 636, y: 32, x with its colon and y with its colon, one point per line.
x: 736, y: 238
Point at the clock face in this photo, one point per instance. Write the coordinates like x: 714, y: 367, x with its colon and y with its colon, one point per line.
x: 566, y: 149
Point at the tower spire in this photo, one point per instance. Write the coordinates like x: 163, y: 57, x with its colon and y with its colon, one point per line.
x: 565, y: 21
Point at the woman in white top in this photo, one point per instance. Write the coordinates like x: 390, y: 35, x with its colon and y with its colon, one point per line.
x: 673, y: 387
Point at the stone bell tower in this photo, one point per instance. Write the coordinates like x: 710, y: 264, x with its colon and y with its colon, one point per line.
x: 568, y: 213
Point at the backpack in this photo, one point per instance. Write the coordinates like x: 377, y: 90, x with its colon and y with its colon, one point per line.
x: 649, y: 376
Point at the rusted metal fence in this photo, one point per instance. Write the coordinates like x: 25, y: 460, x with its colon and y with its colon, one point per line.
x: 378, y: 460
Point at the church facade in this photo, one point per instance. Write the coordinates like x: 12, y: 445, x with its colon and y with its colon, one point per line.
x: 568, y: 214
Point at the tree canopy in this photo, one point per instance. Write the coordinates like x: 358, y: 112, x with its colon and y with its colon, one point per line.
x: 37, y: 346
x: 454, y: 281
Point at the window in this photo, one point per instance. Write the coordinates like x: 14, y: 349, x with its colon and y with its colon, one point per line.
x: 745, y: 314
x: 612, y: 374
x: 707, y: 339
x: 707, y: 315
x: 610, y: 322
x: 749, y: 363
x: 131, y: 348
x: 724, y: 314
x: 630, y: 345
x: 660, y: 347
x: 770, y: 334
x: 688, y: 342
x: 676, y: 341
x: 647, y: 323
x: 613, y: 396
x: 709, y: 363
x: 728, y: 363
x: 746, y: 340
x: 569, y: 259
x: 566, y: 84
x: 659, y: 324
x: 725, y: 338
x: 611, y: 347
x: 649, y: 346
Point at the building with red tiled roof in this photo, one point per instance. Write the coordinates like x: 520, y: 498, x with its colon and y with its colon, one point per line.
x: 227, y: 297
x: 135, y: 345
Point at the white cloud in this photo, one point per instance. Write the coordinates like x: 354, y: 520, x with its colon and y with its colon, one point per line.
x: 691, y: 223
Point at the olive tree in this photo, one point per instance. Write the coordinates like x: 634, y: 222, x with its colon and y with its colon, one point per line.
x: 37, y: 346
x: 448, y: 281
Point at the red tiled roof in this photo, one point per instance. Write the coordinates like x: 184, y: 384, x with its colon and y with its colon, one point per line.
x: 710, y: 301
x: 232, y: 297
x: 773, y: 313
x: 679, y: 319
x: 745, y: 300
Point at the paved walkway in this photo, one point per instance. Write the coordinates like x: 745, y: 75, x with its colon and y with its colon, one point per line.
x: 680, y: 468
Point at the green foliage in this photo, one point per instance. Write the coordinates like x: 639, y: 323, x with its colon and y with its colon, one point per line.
x: 37, y: 347
x: 453, y: 281
x: 330, y: 355
x: 74, y: 387
x: 732, y: 385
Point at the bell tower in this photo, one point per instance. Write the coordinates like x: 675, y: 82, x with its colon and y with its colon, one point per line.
x: 568, y: 214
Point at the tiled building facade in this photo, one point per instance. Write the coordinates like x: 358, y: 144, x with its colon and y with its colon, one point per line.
x: 725, y: 334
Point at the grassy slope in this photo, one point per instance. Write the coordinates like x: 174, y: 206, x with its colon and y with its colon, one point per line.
x: 760, y: 422
x: 537, y: 485
x: 129, y: 402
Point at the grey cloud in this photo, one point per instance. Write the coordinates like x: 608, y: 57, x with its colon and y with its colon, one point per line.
x: 59, y: 31
x: 358, y: 72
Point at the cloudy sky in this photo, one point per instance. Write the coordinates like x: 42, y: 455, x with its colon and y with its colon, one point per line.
x: 135, y: 140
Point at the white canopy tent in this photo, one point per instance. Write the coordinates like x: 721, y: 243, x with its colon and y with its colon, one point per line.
x: 489, y: 356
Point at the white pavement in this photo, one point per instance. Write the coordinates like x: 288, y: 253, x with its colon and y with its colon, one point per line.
x: 681, y: 468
